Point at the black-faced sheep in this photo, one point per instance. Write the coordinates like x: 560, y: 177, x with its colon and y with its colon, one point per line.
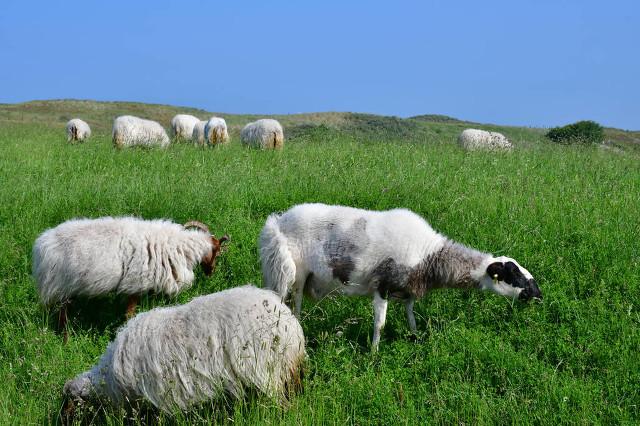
x: 323, y: 250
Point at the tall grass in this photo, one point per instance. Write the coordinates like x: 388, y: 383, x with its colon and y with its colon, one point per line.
x: 568, y: 214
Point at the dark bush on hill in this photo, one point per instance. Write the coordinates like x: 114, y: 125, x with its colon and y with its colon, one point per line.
x: 585, y: 132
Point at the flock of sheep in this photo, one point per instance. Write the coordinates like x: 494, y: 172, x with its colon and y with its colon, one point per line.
x: 245, y: 337
x: 134, y: 131
x: 265, y: 133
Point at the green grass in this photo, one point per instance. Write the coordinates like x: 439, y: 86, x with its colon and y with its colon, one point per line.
x: 568, y: 214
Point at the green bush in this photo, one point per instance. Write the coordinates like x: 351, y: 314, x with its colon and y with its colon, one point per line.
x: 581, y: 132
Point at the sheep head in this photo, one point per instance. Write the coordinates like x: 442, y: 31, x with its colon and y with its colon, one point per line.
x: 505, y: 276
x: 208, y: 262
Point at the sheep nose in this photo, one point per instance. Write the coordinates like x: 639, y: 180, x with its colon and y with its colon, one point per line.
x: 535, y: 290
x: 531, y: 291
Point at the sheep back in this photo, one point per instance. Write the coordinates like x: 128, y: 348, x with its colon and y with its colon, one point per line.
x: 92, y: 257
x: 215, y: 131
x: 179, y: 356
x: 77, y: 130
x: 265, y: 133
x: 472, y: 139
x: 197, y: 136
x: 129, y: 131
x: 182, y: 125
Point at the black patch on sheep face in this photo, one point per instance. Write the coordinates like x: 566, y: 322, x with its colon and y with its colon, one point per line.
x: 341, y: 247
x: 509, y: 273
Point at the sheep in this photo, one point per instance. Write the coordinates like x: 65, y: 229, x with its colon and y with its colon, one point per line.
x: 472, y: 139
x: 129, y: 130
x: 215, y: 131
x: 264, y: 134
x: 182, y: 126
x: 126, y: 255
x: 77, y: 130
x: 177, y: 357
x: 323, y: 250
x: 197, y: 136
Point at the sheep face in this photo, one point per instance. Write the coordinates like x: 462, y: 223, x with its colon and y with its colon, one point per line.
x: 506, y: 277
x: 208, y: 262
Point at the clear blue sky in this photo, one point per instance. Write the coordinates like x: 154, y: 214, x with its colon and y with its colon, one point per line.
x: 537, y: 63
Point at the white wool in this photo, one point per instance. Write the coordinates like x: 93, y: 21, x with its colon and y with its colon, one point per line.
x: 77, y: 130
x: 129, y: 130
x: 227, y: 342
x: 197, y: 136
x: 215, y: 131
x: 472, y: 139
x: 182, y: 125
x: 91, y: 257
x: 264, y: 134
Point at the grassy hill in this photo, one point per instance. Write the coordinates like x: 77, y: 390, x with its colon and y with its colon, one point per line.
x: 568, y: 214
x: 422, y: 128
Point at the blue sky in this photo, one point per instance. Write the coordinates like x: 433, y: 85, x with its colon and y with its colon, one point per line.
x: 536, y: 63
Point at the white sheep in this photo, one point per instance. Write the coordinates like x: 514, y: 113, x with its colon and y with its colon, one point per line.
x: 215, y: 131
x: 472, y: 139
x: 182, y: 126
x: 77, y: 130
x: 129, y: 130
x: 323, y: 250
x: 126, y: 255
x: 223, y: 343
x: 265, y: 133
x: 197, y: 136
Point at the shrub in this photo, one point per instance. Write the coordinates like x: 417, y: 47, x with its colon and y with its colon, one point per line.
x: 580, y: 132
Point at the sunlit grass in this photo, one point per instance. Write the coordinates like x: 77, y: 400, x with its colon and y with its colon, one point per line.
x: 569, y: 215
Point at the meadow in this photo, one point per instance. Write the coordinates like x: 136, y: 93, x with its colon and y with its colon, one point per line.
x: 569, y: 214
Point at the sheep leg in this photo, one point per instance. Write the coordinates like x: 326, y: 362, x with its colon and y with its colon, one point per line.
x: 411, y: 319
x: 132, y: 304
x: 379, y: 318
x: 298, y: 293
x: 62, y: 322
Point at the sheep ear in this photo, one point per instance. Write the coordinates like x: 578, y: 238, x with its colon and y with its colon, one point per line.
x: 496, y: 268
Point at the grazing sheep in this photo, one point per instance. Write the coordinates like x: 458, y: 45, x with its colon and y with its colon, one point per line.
x: 182, y: 126
x: 264, y: 134
x: 77, y: 130
x: 472, y: 139
x: 93, y: 257
x: 129, y: 130
x: 174, y: 358
x: 198, y: 133
x: 324, y: 250
x: 215, y: 131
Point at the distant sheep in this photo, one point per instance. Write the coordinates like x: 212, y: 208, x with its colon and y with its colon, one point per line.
x: 215, y: 131
x: 182, y: 126
x: 220, y: 344
x: 472, y: 139
x: 93, y: 257
x: 129, y: 131
x: 263, y: 134
x: 198, y: 133
x: 322, y: 250
x: 77, y: 130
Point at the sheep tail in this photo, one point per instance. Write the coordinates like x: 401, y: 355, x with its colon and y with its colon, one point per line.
x: 278, y: 267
